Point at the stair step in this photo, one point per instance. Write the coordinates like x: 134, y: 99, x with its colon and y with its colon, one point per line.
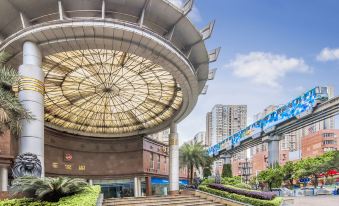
x: 179, y: 200
x: 160, y: 202
x: 151, y: 197
x: 150, y: 200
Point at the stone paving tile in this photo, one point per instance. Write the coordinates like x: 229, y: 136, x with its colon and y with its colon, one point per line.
x: 325, y: 200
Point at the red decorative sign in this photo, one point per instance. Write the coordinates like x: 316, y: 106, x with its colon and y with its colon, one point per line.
x: 68, y: 156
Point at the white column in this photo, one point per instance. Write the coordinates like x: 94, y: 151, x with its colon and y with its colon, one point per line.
x: 90, y: 182
x: 31, y: 96
x: 136, y: 187
x: 4, y: 178
x: 173, y: 160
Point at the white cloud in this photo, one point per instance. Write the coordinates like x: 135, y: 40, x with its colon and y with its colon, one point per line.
x: 328, y: 54
x: 266, y: 68
x: 194, y: 14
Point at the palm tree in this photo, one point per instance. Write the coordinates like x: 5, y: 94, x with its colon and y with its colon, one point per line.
x: 192, y: 156
x: 11, y: 111
x: 48, y: 188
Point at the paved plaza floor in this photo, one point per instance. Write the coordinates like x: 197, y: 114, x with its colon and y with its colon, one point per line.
x: 326, y: 200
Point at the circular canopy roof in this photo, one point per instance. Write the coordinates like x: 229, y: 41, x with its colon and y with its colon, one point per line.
x: 107, y: 91
x: 112, y: 68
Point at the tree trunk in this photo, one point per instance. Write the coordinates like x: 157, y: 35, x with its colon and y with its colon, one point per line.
x: 291, y: 182
x: 188, y: 173
x: 191, y: 178
x: 315, y: 181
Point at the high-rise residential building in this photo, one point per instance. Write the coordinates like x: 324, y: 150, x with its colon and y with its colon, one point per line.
x: 266, y: 111
x: 200, y: 137
x: 225, y: 120
x: 209, y: 128
x: 235, y: 118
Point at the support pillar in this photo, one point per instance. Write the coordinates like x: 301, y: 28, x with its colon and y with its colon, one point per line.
x: 90, y: 182
x: 137, y: 187
x: 148, y: 186
x: 273, y: 149
x: 227, y: 159
x: 31, y: 96
x: 173, y: 161
x: 3, y: 179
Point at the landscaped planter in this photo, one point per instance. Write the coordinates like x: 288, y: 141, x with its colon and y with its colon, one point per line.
x: 86, y: 198
x: 248, y: 193
x: 242, y: 198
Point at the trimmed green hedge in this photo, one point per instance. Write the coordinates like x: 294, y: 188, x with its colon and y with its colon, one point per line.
x: 257, y: 202
x: 88, y: 197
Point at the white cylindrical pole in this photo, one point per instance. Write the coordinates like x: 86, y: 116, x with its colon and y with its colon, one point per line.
x: 4, y: 178
x: 31, y: 96
x: 136, y: 187
x: 173, y: 160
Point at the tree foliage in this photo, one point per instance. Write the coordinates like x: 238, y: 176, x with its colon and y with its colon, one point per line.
x: 288, y: 172
x: 11, y: 111
x: 194, y: 156
x: 310, y: 167
x: 314, y: 166
x: 273, y: 177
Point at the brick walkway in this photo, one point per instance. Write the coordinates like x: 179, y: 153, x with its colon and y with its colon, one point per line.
x: 323, y: 200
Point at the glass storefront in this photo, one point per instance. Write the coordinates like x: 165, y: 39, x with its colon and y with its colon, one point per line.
x: 119, y: 188
x: 125, y: 187
x: 160, y: 186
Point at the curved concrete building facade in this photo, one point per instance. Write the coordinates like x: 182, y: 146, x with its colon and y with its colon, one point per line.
x: 103, y: 70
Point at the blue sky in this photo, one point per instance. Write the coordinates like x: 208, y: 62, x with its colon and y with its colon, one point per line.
x: 272, y: 50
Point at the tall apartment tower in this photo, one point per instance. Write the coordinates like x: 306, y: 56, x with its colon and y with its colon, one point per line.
x: 208, y: 129
x: 225, y: 120
x: 235, y: 118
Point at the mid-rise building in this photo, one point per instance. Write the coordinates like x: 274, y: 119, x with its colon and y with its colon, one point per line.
x: 318, y: 143
x: 161, y: 136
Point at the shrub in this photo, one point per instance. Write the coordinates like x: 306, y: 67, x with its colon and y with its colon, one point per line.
x: 247, y: 193
x: 235, y: 181
x: 208, y: 181
x: 88, y: 197
x: 48, y: 189
x: 241, y: 198
x: 243, y: 186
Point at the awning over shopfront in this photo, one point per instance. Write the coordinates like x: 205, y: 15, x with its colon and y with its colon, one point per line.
x: 164, y: 181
